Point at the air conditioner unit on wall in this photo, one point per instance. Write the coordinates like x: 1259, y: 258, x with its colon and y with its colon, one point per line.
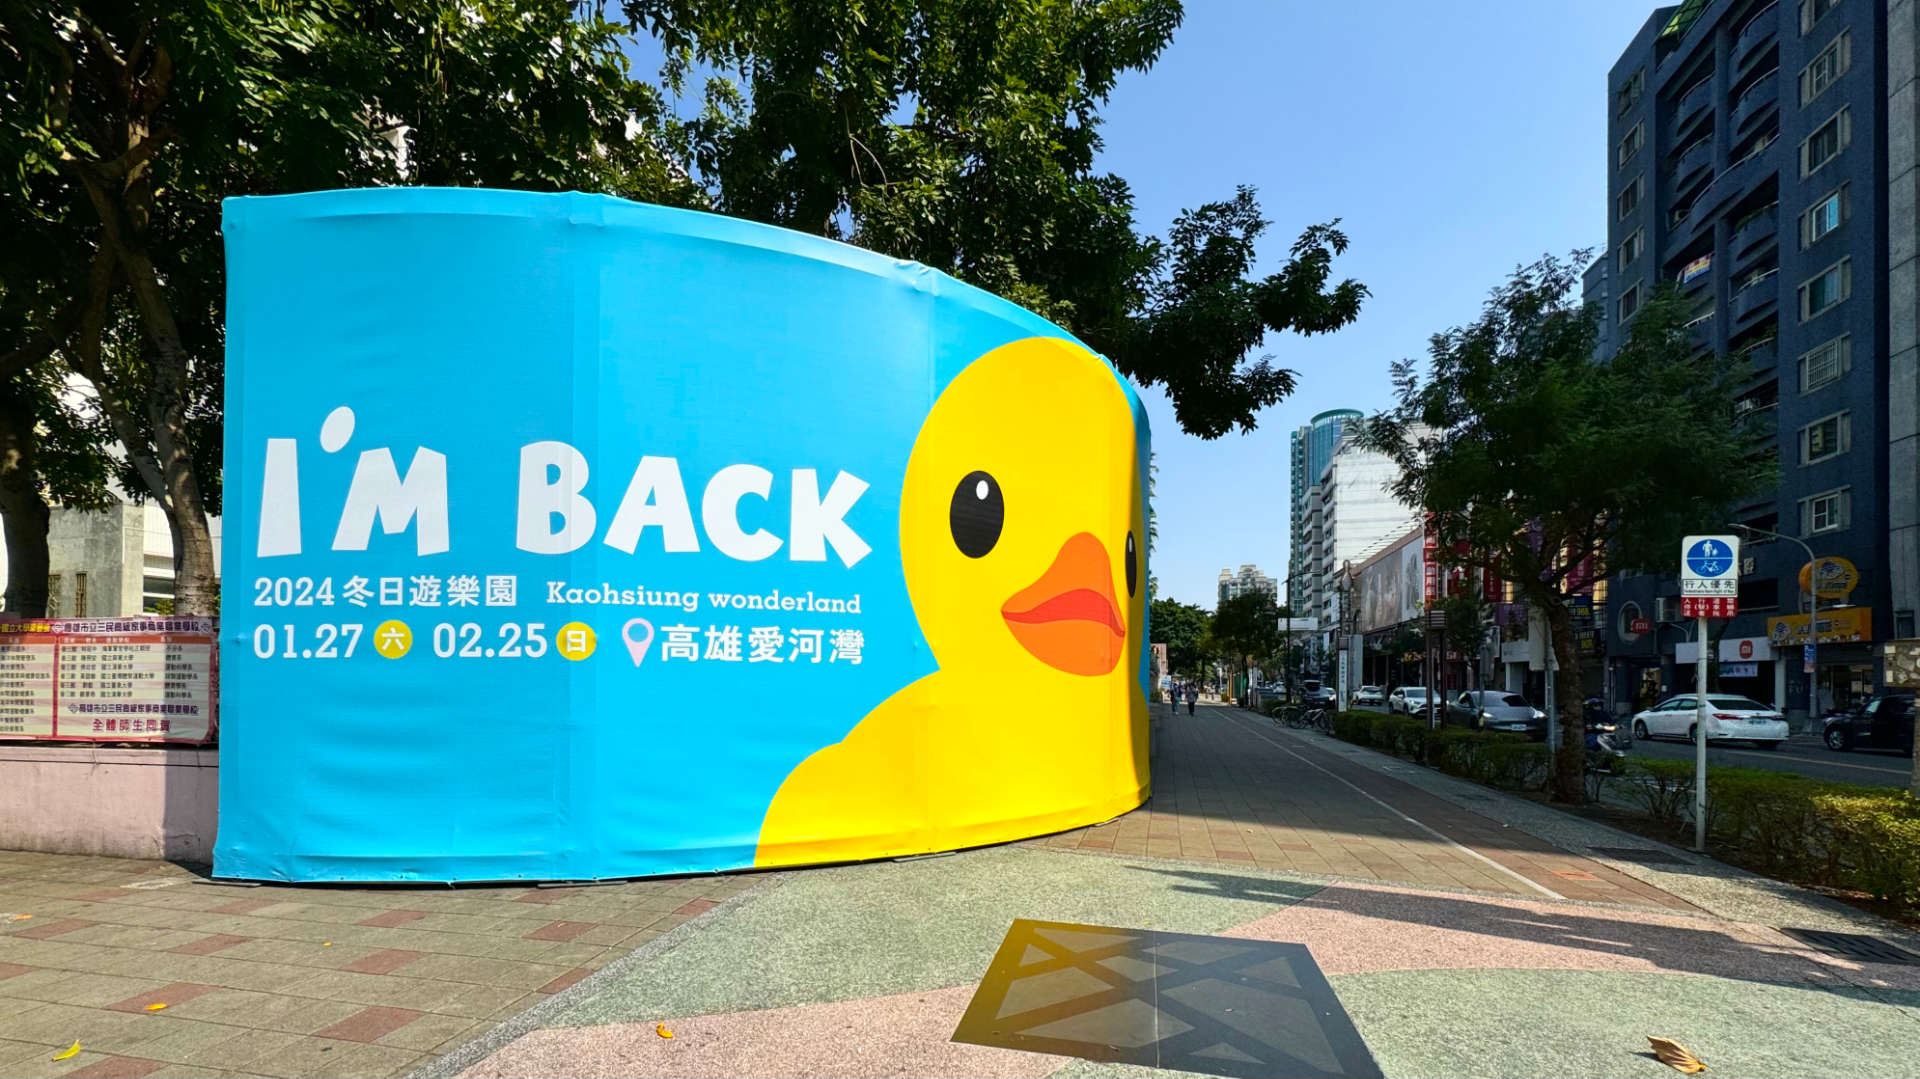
x: 1746, y: 566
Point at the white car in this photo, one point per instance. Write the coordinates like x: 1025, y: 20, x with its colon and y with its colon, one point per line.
x: 1408, y: 700
x: 1369, y: 697
x: 1729, y: 719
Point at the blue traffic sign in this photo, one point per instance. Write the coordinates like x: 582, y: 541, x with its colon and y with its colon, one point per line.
x: 1710, y: 558
x: 1806, y: 653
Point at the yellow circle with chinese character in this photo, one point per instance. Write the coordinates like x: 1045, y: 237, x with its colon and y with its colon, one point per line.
x: 393, y: 639
x: 575, y: 640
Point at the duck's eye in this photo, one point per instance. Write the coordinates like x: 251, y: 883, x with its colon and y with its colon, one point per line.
x: 977, y: 514
x: 1133, y: 566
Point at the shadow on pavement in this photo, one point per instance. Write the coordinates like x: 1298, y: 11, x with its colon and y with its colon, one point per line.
x: 1455, y: 931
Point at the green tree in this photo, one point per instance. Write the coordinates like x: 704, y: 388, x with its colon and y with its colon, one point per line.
x: 1246, y: 629
x: 1556, y: 467
x: 963, y: 134
x: 1466, y: 629
x: 128, y: 122
x: 1182, y: 627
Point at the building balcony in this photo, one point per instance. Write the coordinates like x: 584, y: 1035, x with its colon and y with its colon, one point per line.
x: 1700, y: 330
x: 1692, y: 102
x: 1754, y: 296
x: 1762, y: 358
x: 1755, y: 232
x: 1690, y: 161
x: 1759, y: 97
x: 1760, y: 30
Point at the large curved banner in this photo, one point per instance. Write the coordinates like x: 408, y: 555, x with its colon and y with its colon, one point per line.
x: 570, y: 538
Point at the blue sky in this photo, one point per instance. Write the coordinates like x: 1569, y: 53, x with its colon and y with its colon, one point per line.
x: 1456, y: 140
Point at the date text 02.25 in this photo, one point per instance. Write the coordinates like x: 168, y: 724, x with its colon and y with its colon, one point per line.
x: 326, y: 640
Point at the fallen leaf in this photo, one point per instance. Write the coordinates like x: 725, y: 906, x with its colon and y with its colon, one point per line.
x: 1675, y: 1056
x: 68, y: 1053
x: 20, y: 917
x: 155, y: 1007
x: 326, y: 944
x: 661, y: 1029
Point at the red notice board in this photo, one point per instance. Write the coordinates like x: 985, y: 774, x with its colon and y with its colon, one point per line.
x: 109, y: 680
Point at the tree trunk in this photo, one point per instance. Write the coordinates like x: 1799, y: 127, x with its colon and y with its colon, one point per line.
x: 1570, y: 756
x: 23, y: 512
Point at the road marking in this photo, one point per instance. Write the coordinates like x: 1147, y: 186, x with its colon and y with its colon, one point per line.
x: 1775, y: 756
x: 1469, y: 851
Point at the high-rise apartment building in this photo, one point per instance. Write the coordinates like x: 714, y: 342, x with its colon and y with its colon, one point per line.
x: 1748, y: 165
x: 1353, y: 516
x: 1311, y: 448
x: 1247, y: 581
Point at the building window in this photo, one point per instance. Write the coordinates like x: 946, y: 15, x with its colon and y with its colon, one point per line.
x: 1759, y: 592
x: 1824, y: 216
x: 1826, y: 363
x: 1829, y: 437
x: 80, y: 595
x: 1812, y: 10
x: 53, y: 595
x: 1826, y: 68
x: 1825, y: 143
x: 1630, y: 92
x: 1629, y: 301
x: 1630, y: 145
x: 1825, y: 289
x: 1629, y: 199
x: 1630, y: 250
x: 1826, y: 512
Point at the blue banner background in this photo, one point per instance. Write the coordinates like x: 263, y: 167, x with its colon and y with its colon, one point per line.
x: 472, y: 323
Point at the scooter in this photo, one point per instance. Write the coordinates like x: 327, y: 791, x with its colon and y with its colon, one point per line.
x: 1606, y: 741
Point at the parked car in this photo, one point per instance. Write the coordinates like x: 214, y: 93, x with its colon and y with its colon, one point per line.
x: 1728, y: 719
x: 1497, y: 710
x: 1369, y: 697
x: 1885, y: 722
x: 1317, y: 694
x: 1407, y: 701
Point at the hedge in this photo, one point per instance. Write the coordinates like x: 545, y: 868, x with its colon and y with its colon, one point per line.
x: 1841, y: 835
x: 1500, y: 760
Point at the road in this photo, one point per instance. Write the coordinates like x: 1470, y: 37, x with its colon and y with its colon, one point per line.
x: 1810, y: 759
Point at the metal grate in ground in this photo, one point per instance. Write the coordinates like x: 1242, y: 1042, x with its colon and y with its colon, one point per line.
x: 1856, y: 946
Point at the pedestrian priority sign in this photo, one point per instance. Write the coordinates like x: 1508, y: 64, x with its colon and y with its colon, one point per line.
x: 1710, y: 568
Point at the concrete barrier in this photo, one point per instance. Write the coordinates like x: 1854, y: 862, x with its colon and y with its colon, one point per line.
x: 148, y: 802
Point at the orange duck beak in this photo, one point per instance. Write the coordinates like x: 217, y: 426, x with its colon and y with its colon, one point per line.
x: 1070, y: 619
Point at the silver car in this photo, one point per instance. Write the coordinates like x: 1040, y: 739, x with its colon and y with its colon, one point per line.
x: 1497, y: 710
x: 1408, y: 700
x: 1369, y: 697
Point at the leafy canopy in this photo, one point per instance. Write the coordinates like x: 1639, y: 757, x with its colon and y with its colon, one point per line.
x: 962, y: 134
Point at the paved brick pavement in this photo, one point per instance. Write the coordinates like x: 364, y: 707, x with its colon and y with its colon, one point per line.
x: 1231, y: 787
x: 286, y: 981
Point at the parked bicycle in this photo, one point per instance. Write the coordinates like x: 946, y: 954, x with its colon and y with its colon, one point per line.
x: 1299, y: 718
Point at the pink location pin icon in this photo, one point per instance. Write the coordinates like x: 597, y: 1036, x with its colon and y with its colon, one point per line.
x: 637, y: 647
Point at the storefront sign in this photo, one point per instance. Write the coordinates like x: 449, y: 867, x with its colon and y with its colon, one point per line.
x: 1840, y: 625
x: 1739, y: 670
x: 1838, y: 577
x: 107, y: 680
x: 572, y: 538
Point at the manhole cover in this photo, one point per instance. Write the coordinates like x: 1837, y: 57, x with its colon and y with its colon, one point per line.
x: 1643, y: 855
x: 1853, y: 946
x: 1252, y: 1009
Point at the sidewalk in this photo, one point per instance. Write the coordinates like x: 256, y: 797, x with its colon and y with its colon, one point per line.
x: 1358, y: 916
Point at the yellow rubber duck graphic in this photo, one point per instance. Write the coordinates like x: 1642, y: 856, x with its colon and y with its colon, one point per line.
x: 1022, y: 527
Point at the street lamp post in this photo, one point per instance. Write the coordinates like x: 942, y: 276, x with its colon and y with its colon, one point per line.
x: 1813, y: 622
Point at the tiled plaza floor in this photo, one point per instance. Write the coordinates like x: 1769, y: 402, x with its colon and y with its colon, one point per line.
x: 285, y: 981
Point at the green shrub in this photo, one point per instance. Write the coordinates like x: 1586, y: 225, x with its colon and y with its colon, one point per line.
x: 1512, y: 764
x: 1872, y: 840
x: 1664, y: 787
x: 1768, y: 816
x: 1399, y: 735
x: 1355, y: 727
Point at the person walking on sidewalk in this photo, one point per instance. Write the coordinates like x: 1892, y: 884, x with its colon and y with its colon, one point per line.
x: 1193, y: 694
